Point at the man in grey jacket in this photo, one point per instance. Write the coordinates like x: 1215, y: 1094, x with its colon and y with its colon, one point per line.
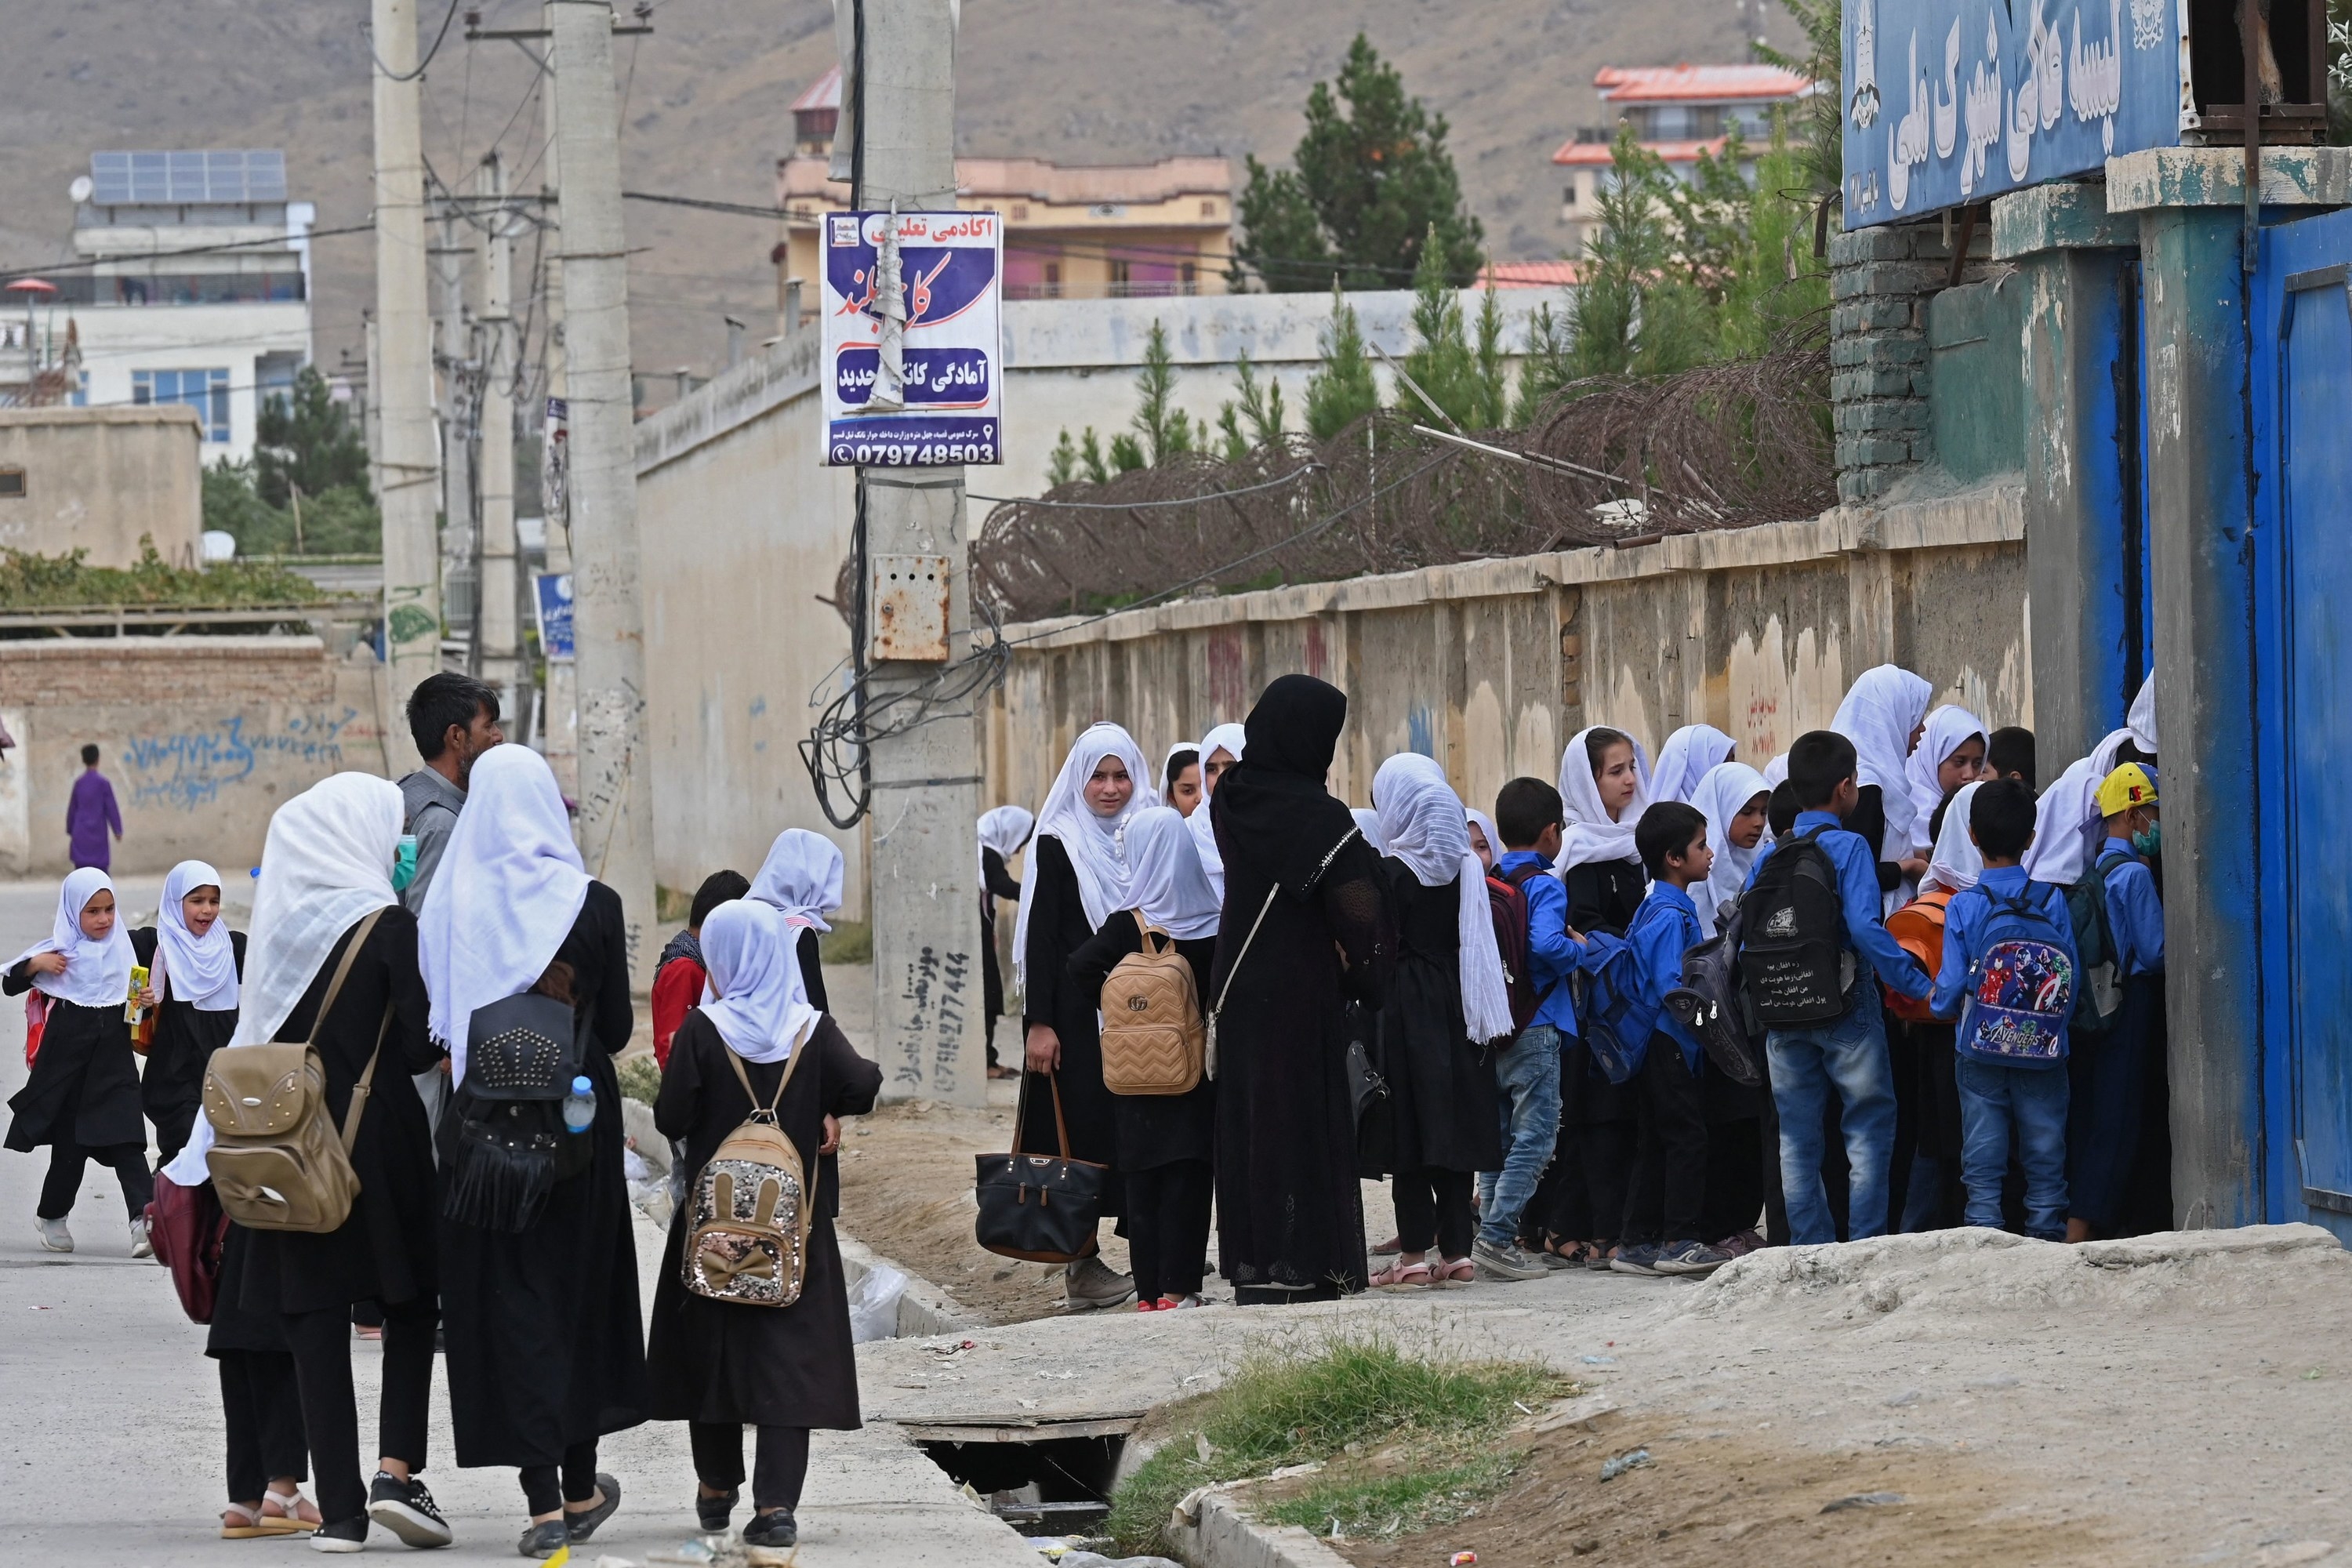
x: 453, y: 719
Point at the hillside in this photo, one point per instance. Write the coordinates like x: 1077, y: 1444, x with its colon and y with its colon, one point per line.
x: 1077, y: 81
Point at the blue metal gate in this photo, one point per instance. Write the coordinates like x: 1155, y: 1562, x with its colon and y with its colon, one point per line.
x: 2301, y: 408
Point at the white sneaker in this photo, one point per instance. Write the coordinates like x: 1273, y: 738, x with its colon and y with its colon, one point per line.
x: 54, y: 1235
x: 141, y: 1246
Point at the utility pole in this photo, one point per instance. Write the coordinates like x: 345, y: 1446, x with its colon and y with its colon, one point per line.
x: 924, y: 861
x: 461, y: 403
x: 559, y: 729
x: 615, y: 825
x: 400, y: 381
x: 498, y: 618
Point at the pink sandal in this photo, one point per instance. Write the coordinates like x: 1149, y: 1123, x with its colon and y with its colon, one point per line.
x: 1452, y: 1271
x: 1397, y: 1274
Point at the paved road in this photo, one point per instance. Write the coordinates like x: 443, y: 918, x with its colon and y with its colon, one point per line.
x: 111, y: 1446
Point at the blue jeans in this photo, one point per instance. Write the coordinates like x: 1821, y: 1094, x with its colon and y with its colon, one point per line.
x: 1849, y: 1057
x: 1527, y: 1073
x: 1994, y: 1095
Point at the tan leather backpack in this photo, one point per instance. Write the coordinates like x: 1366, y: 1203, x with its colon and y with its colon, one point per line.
x: 747, y: 1235
x: 278, y: 1162
x: 1153, y: 1038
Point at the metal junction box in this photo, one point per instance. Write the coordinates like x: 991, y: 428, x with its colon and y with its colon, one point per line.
x: 909, y: 596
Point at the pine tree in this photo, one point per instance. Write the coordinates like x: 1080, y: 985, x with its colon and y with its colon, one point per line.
x: 1062, y: 466
x: 1163, y: 429
x: 1341, y: 390
x: 304, y: 437
x: 1548, y: 364
x: 1493, y: 383
x: 1441, y: 361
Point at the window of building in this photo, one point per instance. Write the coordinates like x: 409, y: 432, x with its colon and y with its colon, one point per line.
x: 206, y: 391
x: 1208, y: 207
x: 11, y: 484
x: 1569, y: 196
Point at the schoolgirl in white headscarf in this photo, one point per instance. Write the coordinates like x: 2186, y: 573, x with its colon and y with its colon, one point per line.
x: 1427, y: 828
x: 801, y: 878
x: 1881, y: 708
x: 1096, y: 846
x: 198, y: 969
x: 1956, y: 862
x: 508, y: 890
x: 1494, y: 837
x: 1592, y: 835
x: 2067, y: 819
x: 98, y: 969
x: 1684, y: 759
x: 1168, y: 884
x: 762, y: 1009
x: 1723, y: 794
x: 82, y: 1095
x: 1228, y: 739
x: 1949, y: 728
x: 1005, y: 828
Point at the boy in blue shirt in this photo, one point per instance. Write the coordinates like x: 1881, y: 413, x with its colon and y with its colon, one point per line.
x: 1846, y: 1055
x: 2008, y: 953
x: 1527, y: 815
x: 1668, y: 1192
x: 2110, y: 1074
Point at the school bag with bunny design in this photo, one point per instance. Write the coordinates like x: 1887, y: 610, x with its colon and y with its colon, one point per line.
x: 748, y: 1231
x: 2021, y: 980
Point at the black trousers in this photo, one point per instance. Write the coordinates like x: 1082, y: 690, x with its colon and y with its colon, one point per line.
x: 783, y: 1462
x: 544, y: 1490
x: 322, y: 1343
x: 67, y: 1160
x: 1432, y: 1209
x: 172, y: 1129
x: 1668, y: 1191
x: 263, y: 1412
x: 1168, y: 1227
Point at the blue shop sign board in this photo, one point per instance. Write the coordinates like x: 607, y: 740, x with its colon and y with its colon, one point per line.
x: 554, y: 603
x: 1951, y: 101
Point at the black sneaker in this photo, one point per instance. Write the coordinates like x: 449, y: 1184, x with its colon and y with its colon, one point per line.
x: 406, y: 1508
x: 544, y: 1541
x: 342, y: 1535
x: 716, y: 1514
x: 775, y: 1527
x: 583, y: 1523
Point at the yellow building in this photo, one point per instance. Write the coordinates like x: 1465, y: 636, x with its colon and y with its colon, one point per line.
x: 1071, y: 232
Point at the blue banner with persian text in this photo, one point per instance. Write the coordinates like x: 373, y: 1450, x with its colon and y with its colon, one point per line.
x: 1950, y: 101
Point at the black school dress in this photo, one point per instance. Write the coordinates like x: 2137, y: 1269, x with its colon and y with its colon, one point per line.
x: 1602, y: 896
x: 719, y: 1361
x: 84, y: 1086
x: 1443, y: 1105
x: 546, y: 1347
x: 1057, y: 929
x: 1154, y: 1130
x: 172, y: 1089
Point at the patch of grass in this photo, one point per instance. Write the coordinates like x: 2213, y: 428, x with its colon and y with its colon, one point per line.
x: 1368, y: 1502
x: 1343, y: 1395
x: 849, y: 941
x: 640, y: 1078
x: 672, y: 903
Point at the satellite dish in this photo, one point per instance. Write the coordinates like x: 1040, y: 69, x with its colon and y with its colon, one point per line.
x: 80, y: 188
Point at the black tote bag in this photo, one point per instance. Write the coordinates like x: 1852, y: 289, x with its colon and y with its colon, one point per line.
x: 1039, y: 1208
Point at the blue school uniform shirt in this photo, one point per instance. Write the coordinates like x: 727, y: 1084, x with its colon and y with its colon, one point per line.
x: 1552, y: 955
x: 1859, y: 896
x: 1964, y: 922
x: 2135, y: 912
x: 1665, y: 927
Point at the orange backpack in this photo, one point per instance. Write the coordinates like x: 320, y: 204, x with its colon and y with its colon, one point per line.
x: 1917, y: 928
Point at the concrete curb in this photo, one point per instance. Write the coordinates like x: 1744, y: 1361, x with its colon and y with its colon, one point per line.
x: 923, y: 1307
x: 1222, y: 1535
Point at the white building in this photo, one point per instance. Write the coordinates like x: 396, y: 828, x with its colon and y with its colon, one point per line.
x: 193, y: 287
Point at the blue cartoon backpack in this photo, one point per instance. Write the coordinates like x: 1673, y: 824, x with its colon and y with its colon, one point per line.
x: 2021, y: 985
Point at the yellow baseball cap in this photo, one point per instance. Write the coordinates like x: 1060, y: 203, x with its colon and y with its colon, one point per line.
x: 2129, y: 785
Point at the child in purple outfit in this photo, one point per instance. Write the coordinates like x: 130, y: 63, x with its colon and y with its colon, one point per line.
x: 89, y: 813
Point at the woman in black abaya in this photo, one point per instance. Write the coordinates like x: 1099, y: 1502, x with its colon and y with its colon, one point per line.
x: 1290, y: 1218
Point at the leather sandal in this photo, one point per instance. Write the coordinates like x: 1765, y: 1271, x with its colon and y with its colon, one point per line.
x: 239, y: 1522
x: 296, y: 1515
x: 1400, y: 1274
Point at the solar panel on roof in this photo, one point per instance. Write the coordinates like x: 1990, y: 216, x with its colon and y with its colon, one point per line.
x: 171, y: 179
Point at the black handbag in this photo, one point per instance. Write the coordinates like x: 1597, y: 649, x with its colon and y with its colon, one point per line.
x: 522, y: 1048
x: 1040, y: 1208
x: 508, y: 1146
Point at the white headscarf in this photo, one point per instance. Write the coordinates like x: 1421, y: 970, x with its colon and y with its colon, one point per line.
x: 97, y: 973
x: 1486, y: 825
x: 1722, y: 794
x: 1956, y: 862
x: 1949, y: 728
x: 1428, y: 830
x: 1684, y: 759
x: 1169, y: 884
x: 199, y: 970
x: 1880, y: 710
x: 1775, y: 771
x: 1004, y: 828
x: 1367, y: 822
x: 326, y: 863
x: 1226, y: 738
x: 763, y: 1008
x: 1592, y: 837
x: 1096, y: 846
x: 801, y: 878
x: 508, y: 889
x: 2141, y: 720
x: 2066, y: 820
x: 1163, y: 780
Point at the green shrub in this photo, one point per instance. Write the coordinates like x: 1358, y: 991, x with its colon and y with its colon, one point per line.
x: 641, y: 1079
x: 849, y: 941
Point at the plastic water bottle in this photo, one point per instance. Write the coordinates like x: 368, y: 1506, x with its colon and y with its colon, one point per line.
x: 580, y: 1106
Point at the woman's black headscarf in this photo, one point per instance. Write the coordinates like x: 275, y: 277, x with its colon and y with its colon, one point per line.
x: 1271, y: 808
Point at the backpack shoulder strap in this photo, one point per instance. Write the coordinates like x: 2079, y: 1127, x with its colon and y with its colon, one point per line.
x: 791, y: 1064
x: 360, y: 934
x: 365, y: 1087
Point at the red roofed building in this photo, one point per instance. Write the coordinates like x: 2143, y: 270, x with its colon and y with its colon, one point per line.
x: 1675, y: 111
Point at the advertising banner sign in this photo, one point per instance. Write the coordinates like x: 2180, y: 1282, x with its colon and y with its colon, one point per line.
x: 948, y: 406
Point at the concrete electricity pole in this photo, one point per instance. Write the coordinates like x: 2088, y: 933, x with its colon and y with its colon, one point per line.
x: 615, y: 825
x: 559, y: 735
x: 459, y: 404
x: 926, y: 782
x: 401, y: 380
x: 498, y: 620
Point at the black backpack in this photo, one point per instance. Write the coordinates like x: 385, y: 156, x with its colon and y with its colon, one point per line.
x: 2100, y: 997
x: 1711, y: 1003
x: 1794, y: 963
x: 1507, y: 902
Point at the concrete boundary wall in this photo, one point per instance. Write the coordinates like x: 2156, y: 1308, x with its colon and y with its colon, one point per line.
x: 1490, y: 666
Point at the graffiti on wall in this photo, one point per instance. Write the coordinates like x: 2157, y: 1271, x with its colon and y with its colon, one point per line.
x: 187, y: 769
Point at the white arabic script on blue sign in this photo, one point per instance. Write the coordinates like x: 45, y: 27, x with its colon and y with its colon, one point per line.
x: 2054, y: 87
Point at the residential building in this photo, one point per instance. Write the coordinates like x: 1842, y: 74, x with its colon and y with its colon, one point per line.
x: 99, y: 479
x: 1676, y: 112
x: 191, y: 286
x: 1071, y: 231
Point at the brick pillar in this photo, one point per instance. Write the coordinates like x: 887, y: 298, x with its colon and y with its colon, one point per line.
x: 1880, y: 281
